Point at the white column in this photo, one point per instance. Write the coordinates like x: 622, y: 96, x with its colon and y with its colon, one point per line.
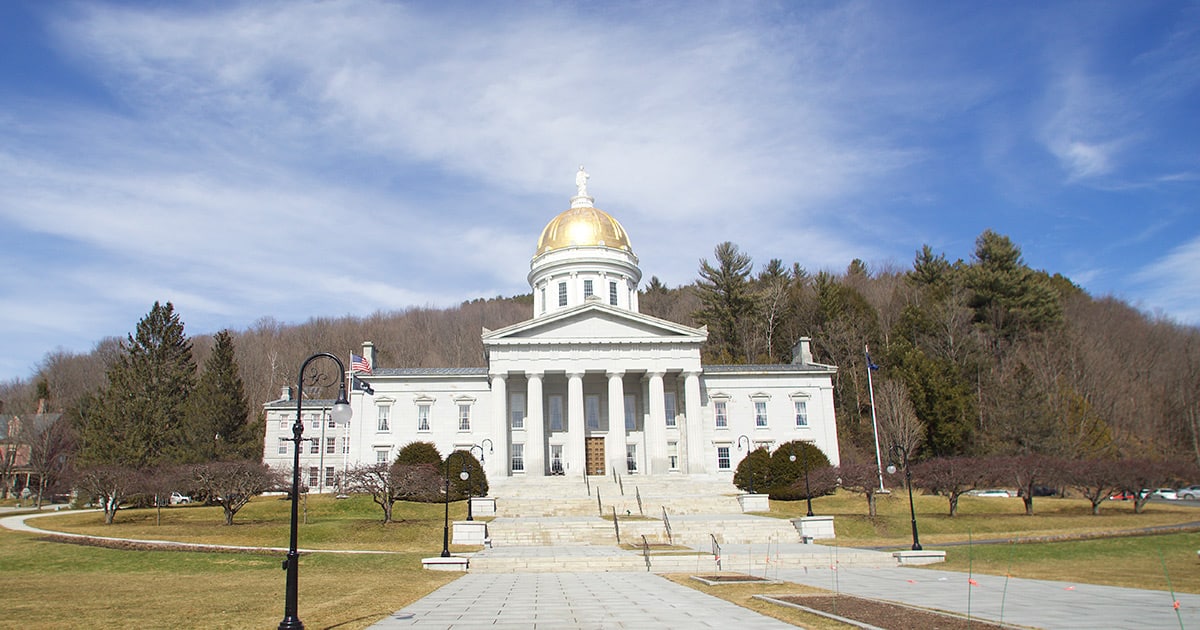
x: 535, y: 427
x: 575, y: 436
x: 615, y: 445
x: 498, y: 458
x: 694, y: 423
x: 656, y: 426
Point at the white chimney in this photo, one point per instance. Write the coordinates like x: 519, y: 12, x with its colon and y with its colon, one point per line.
x: 802, y: 353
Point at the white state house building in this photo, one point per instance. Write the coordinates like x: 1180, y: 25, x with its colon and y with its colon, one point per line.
x: 587, y: 385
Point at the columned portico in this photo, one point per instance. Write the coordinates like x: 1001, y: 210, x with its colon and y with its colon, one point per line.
x: 615, y: 446
x: 498, y: 460
x: 535, y: 427
x: 576, y: 456
x: 694, y: 427
x: 656, y: 425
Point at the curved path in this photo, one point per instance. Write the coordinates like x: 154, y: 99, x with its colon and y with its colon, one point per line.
x: 17, y: 523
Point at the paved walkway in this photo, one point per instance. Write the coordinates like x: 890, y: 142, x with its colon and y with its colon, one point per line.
x: 573, y: 600
x: 1032, y: 603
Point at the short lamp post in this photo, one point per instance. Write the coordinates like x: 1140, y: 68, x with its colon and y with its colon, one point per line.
x: 464, y: 475
x: 804, y: 462
x: 470, y: 516
x: 899, y: 453
x: 748, y: 451
x: 341, y: 413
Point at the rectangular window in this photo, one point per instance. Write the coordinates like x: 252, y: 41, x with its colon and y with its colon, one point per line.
x: 669, y: 403
x: 285, y: 424
x: 556, y: 467
x: 631, y: 458
x: 518, y: 457
x: 331, y: 424
x: 312, y: 477
x: 587, y: 289
x: 422, y: 417
x: 612, y: 293
x: 381, y: 456
x: 723, y: 458
x: 383, y: 418
x: 517, y: 404
x: 673, y: 455
x: 556, y: 413
x: 801, y: 413
x: 330, y: 445
x: 345, y: 446
x: 630, y: 412
x: 314, y: 446
x: 316, y: 424
x: 591, y: 411
x: 283, y: 447
x: 760, y: 413
x: 719, y: 407
x: 329, y: 475
x: 464, y: 417
x: 543, y: 299
x: 562, y: 293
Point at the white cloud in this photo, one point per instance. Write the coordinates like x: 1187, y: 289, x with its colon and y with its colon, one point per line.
x: 1170, y: 282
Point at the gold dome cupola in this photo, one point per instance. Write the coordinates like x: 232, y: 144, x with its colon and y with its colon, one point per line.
x: 583, y: 253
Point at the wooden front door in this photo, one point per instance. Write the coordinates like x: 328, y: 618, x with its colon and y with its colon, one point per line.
x: 595, y: 456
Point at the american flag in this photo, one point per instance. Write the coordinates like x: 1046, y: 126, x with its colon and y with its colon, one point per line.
x: 359, y: 364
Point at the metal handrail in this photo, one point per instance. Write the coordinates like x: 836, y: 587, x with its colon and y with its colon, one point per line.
x: 638, y: 491
x: 599, y: 506
x: 587, y: 483
x: 716, y: 550
x: 621, y: 484
x: 616, y: 526
x: 646, y: 551
x: 667, y: 525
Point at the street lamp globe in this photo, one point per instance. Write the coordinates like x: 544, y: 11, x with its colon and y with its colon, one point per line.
x: 341, y: 411
x: 891, y: 469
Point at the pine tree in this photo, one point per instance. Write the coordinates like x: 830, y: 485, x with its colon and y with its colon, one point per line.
x: 138, y: 418
x: 727, y: 301
x: 218, y: 411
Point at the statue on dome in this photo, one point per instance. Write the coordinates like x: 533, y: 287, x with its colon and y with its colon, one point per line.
x: 581, y: 182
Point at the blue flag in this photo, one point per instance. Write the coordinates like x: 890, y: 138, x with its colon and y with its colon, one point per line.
x: 870, y: 365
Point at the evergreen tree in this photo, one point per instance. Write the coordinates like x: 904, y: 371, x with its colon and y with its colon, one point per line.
x: 137, y: 421
x: 726, y: 301
x: 1008, y: 297
x: 217, y: 421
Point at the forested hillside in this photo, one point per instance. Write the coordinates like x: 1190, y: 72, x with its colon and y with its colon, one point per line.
x: 977, y: 356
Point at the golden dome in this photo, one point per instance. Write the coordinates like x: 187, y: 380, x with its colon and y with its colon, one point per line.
x: 583, y: 227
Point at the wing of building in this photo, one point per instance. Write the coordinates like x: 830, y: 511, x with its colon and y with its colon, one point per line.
x: 588, y: 384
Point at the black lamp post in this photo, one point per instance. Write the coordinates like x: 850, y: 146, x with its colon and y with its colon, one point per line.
x: 807, y: 492
x: 341, y: 413
x: 464, y: 475
x: 748, y: 451
x: 899, y: 450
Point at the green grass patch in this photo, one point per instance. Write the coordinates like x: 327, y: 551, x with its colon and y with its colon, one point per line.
x: 54, y: 585
x: 978, y: 517
x: 1150, y: 562
x: 325, y: 523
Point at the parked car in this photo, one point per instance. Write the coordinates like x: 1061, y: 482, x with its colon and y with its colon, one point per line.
x: 1123, y: 495
x: 992, y: 492
x: 1190, y: 493
x: 180, y: 499
x: 1165, y: 493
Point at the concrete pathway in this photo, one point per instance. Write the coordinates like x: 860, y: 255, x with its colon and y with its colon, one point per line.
x: 1032, y: 603
x: 565, y: 601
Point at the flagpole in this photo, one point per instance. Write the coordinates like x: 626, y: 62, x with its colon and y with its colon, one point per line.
x: 874, y: 422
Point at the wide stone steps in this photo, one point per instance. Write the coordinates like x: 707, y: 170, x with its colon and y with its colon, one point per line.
x: 563, y: 496
x: 695, y: 530
x: 752, y: 559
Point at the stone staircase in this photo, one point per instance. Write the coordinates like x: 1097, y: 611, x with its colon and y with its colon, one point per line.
x: 555, y: 524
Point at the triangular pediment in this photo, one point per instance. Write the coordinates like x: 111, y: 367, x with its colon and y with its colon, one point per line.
x: 595, y: 321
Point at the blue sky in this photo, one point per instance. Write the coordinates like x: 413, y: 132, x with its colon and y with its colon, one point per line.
x: 300, y: 159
